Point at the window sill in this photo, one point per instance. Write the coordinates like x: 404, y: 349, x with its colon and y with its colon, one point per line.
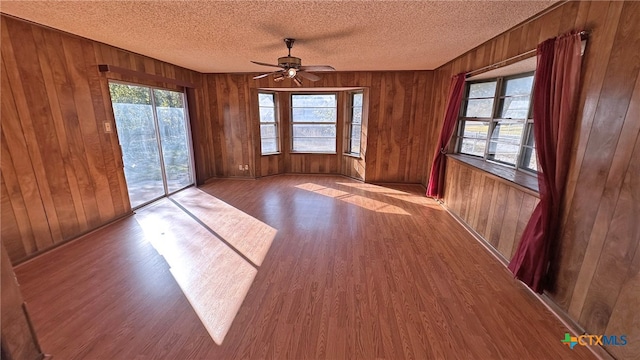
x: 357, y: 156
x: 520, y: 178
x: 273, y: 153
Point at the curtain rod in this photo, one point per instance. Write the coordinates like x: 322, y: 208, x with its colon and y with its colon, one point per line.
x: 103, y: 68
x: 583, y: 35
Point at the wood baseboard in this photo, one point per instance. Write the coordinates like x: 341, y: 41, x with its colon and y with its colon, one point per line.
x: 65, y: 242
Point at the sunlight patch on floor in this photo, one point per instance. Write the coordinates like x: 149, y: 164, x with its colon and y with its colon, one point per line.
x: 361, y: 201
x: 372, y: 188
x: 396, y: 194
x: 323, y: 190
x: 245, y: 233
x: 214, y: 278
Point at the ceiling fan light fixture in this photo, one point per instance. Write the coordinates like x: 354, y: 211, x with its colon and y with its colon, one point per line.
x: 291, y: 67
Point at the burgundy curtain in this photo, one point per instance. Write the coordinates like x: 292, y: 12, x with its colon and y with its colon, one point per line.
x: 436, y: 178
x: 556, y: 84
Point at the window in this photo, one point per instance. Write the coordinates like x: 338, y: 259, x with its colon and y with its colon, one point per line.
x: 313, y: 123
x: 268, y: 124
x: 355, y: 124
x: 496, y: 122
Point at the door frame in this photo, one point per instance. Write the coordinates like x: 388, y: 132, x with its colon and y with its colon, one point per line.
x: 189, y: 144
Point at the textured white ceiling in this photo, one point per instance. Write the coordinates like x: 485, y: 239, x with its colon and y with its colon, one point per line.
x: 223, y: 36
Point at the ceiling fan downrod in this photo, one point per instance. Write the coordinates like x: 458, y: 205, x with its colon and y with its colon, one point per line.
x: 289, y: 42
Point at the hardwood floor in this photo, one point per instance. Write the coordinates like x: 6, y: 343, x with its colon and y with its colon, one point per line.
x: 354, y: 271
x: 213, y: 277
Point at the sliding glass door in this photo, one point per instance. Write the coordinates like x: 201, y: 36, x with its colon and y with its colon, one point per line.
x: 153, y: 134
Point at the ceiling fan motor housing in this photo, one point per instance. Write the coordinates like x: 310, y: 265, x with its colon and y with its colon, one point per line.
x: 289, y: 62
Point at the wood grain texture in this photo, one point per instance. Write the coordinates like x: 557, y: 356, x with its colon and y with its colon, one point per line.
x: 492, y: 207
x: 356, y: 271
x: 18, y: 340
x: 229, y: 104
x: 604, y: 163
x: 594, y: 262
x: 62, y: 174
x: 72, y: 180
x: 214, y: 278
x: 242, y: 232
x: 398, y: 104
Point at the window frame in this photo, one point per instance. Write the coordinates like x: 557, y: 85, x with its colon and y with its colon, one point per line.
x: 292, y: 123
x: 350, y: 124
x: 495, y: 119
x: 275, y: 123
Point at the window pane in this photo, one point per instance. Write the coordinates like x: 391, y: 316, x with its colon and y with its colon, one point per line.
x: 355, y: 131
x: 173, y: 135
x: 129, y: 94
x: 314, y: 115
x: 479, y: 108
x: 357, y: 100
x: 511, y: 138
x: 507, y: 132
x: 519, y: 86
x: 314, y: 100
x: 355, y: 146
x: 476, y: 129
x: 268, y: 127
x: 314, y: 130
x: 266, y: 100
x: 473, y: 147
x: 507, y: 153
x: 137, y: 136
x: 480, y: 90
x: 529, y: 160
x: 269, y: 146
x: 168, y: 99
x: 268, y: 131
x: 354, y: 140
x: 267, y: 114
x: 314, y: 144
x: 530, y: 141
x: 515, y: 107
x: 313, y: 108
x: 357, y: 115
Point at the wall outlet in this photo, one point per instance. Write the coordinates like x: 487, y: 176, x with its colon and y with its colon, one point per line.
x: 240, y: 167
x: 107, y: 127
x: 246, y: 168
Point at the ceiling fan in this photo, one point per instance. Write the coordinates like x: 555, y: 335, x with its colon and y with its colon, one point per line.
x: 291, y: 67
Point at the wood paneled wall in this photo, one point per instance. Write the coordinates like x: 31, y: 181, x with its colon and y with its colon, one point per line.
x: 597, y: 262
x: 495, y: 208
x: 61, y: 173
x: 230, y: 123
x: 397, y: 122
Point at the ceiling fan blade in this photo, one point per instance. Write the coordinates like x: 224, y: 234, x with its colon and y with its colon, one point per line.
x: 265, y: 64
x: 317, y: 68
x: 308, y: 76
x: 297, y: 80
x: 263, y: 75
x: 267, y: 74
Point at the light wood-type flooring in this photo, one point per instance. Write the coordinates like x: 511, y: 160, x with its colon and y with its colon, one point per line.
x: 286, y: 267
